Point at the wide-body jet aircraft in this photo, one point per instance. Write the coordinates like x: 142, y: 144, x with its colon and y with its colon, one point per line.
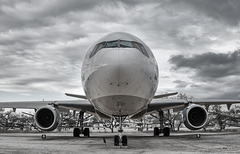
x: 120, y: 77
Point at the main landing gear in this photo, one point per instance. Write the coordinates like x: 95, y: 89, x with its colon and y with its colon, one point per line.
x: 81, y: 130
x: 162, y: 129
x: 120, y: 139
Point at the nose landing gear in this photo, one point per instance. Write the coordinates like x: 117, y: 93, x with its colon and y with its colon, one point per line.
x: 120, y: 139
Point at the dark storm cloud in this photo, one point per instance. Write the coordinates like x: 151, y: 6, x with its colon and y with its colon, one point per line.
x: 209, y: 65
x: 40, y: 13
x: 42, y: 43
x: 22, y: 14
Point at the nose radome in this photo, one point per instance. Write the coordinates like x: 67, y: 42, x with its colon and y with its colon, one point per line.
x: 120, y: 73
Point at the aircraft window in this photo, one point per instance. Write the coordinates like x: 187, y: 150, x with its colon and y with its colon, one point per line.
x: 120, y: 44
x: 136, y: 45
x: 141, y: 48
x: 98, y: 47
x: 101, y: 45
x: 126, y: 44
x: 112, y: 44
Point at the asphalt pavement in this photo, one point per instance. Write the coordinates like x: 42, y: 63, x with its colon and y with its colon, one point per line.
x: 138, y: 142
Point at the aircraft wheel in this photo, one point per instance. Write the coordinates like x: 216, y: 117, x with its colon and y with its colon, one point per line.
x: 166, y: 131
x: 116, y: 140
x: 86, y: 132
x: 76, y: 132
x: 124, y: 141
x: 156, y: 131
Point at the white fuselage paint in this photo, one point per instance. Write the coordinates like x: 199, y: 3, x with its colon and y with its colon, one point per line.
x: 119, y: 81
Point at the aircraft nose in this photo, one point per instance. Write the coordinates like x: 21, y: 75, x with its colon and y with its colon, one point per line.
x: 121, y: 75
x: 123, y: 70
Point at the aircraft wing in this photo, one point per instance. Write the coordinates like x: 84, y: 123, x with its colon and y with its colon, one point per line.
x: 68, y: 104
x: 164, y: 104
x: 24, y: 104
x: 76, y: 105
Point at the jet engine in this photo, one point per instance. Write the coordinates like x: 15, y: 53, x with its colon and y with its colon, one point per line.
x: 195, y: 117
x: 47, y: 118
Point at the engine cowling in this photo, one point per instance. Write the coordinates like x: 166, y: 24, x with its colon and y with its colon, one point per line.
x: 195, y: 117
x: 47, y: 118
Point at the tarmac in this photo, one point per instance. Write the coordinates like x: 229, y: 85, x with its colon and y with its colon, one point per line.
x: 138, y: 142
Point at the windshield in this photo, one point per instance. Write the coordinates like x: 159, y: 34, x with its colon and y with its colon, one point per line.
x: 98, y: 47
x: 112, y: 44
x: 126, y: 44
x: 119, y: 44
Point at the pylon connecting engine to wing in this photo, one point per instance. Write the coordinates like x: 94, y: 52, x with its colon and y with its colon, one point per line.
x: 195, y: 117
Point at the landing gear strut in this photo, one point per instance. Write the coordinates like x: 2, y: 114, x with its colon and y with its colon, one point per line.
x: 162, y: 129
x: 120, y: 139
x: 81, y: 130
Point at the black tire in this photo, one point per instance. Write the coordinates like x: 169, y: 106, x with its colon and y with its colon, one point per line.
x: 166, y: 131
x: 116, y: 140
x: 156, y: 131
x: 124, y: 141
x: 86, y: 132
x: 76, y: 132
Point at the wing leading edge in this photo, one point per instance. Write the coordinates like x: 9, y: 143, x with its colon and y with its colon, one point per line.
x: 68, y: 104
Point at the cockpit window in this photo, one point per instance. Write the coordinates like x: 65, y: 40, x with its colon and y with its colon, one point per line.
x: 119, y: 44
x: 143, y: 50
x: 112, y: 44
x: 126, y: 44
x: 98, y: 47
x: 136, y: 45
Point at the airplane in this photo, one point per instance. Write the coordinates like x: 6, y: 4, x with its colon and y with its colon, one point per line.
x: 120, y: 78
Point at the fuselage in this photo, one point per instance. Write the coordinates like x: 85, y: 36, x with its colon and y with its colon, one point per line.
x: 119, y: 75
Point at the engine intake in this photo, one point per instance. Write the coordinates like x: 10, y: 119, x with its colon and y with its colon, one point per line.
x: 47, y: 118
x: 195, y: 117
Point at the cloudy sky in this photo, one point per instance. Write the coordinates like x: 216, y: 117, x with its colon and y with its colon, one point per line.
x: 43, y: 43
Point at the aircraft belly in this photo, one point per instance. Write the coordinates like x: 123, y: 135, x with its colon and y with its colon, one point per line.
x: 120, y: 104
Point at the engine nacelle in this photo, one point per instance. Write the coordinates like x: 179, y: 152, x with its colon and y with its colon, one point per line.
x: 47, y: 118
x: 195, y: 117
